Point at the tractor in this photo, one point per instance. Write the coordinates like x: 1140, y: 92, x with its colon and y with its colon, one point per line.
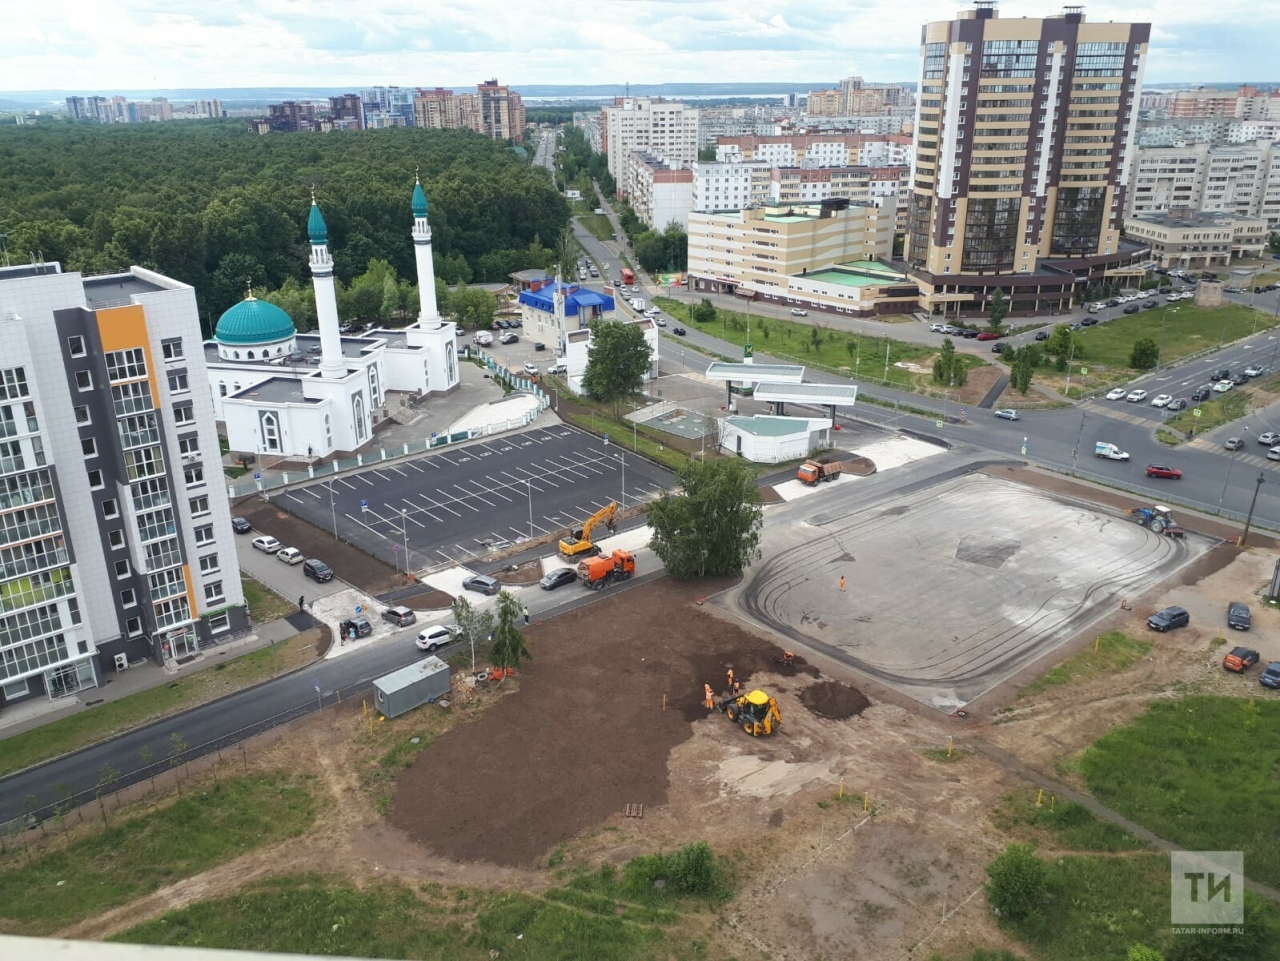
x: 1156, y: 518
x: 756, y: 711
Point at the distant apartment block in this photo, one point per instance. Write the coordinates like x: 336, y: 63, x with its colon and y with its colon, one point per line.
x: 437, y: 109
x: 855, y: 98
x: 1214, y: 130
x: 115, y: 532
x: 498, y: 112
x: 817, y: 149
x: 664, y: 128
x: 347, y: 110
x: 1242, y: 180
x: 1193, y: 240
x: 1243, y: 103
x: 660, y: 193
x: 119, y: 110
x: 716, y: 122
x: 292, y: 116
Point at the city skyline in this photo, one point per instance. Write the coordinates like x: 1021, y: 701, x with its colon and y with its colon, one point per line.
x: 143, y: 44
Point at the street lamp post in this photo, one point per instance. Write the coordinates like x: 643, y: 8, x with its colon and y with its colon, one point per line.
x: 404, y: 529
x: 528, y: 484
x: 1257, y: 486
x: 622, y: 456
x: 333, y: 509
x: 1075, y: 451
x: 1226, y: 480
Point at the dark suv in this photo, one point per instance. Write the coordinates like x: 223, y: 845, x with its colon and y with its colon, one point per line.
x: 1168, y: 619
x: 317, y: 570
x: 360, y: 624
x: 1238, y: 616
x: 1202, y: 393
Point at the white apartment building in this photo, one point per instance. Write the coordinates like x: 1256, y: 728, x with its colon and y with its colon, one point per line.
x: 842, y: 148
x: 660, y: 193
x: 115, y: 532
x: 1238, y: 179
x: 664, y: 128
x: 731, y: 186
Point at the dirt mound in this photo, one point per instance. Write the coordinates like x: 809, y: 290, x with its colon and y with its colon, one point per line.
x: 427, y: 600
x: 857, y: 464
x: 833, y: 700
x: 584, y: 735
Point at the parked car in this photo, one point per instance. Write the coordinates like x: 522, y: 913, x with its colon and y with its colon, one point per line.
x: 317, y: 570
x: 1202, y: 393
x: 938, y: 328
x: 1007, y: 414
x: 432, y: 638
x: 1132, y: 309
x: 1090, y: 321
x: 1178, y: 403
x: 1168, y: 619
x: 1160, y: 400
x: 1269, y: 437
x: 998, y: 348
x: 988, y: 335
x: 481, y: 583
x: 1114, y: 302
x: 290, y: 555
x: 561, y: 368
x: 968, y: 334
x: 1233, y: 443
x: 1117, y: 393
x: 797, y: 312
x: 360, y: 624
x: 1240, y: 659
x: 1136, y: 396
x: 1222, y: 386
x: 558, y: 578
x: 1270, y: 677
x: 240, y: 525
x: 1273, y: 453
x: 1239, y: 379
x: 950, y: 329
x: 400, y: 616
x: 1150, y: 303
x: 509, y: 338
x: 679, y: 331
x: 531, y: 369
x: 265, y: 543
x: 1042, y: 335
x: 1254, y: 371
x: 1224, y: 374
x: 1159, y: 470
x: 1238, y: 616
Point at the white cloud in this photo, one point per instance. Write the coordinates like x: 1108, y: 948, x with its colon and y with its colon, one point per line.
x: 132, y: 44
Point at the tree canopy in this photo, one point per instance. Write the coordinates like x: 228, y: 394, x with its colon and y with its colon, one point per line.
x: 713, y: 525
x: 213, y: 205
x: 617, y: 362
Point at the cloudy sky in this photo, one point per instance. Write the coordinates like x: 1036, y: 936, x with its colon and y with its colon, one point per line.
x: 108, y: 45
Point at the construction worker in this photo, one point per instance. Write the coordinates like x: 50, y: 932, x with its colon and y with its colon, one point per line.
x: 737, y: 687
x: 788, y: 658
x: 710, y: 697
x: 730, y: 680
x: 526, y: 615
x: 842, y: 583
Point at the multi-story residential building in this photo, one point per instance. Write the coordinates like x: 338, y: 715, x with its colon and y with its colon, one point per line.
x: 347, y: 109
x: 1238, y: 179
x: 825, y: 103
x: 208, y: 108
x: 660, y: 193
x: 383, y: 107
x: 716, y: 122
x: 665, y: 128
x: 437, y: 109
x: 1193, y: 240
x: 115, y: 532
x: 1024, y: 144
x: 1203, y: 102
x: 499, y: 112
x: 817, y: 149
x: 292, y: 116
x: 719, y: 187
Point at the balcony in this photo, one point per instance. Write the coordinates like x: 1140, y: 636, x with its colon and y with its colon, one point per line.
x: 29, y: 591
x: 31, y: 563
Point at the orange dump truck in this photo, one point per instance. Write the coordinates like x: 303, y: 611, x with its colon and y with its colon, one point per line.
x: 816, y: 471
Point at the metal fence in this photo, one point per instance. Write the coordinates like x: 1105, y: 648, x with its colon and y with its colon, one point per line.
x: 260, y: 482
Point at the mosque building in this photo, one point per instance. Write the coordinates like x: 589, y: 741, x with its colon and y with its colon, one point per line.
x: 292, y: 395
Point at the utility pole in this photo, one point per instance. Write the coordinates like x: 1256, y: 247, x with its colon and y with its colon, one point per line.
x: 887, y: 344
x: 529, y: 488
x: 333, y: 510
x: 1257, y: 486
x: 1075, y: 451
x: 404, y: 529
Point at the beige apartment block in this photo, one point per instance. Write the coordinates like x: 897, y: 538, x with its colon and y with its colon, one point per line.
x: 1194, y: 240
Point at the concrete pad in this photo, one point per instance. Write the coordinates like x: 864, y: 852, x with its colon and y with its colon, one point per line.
x: 511, y: 408
x: 448, y: 580
x: 333, y: 609
x: 956, y: 587
x: 885, y: 454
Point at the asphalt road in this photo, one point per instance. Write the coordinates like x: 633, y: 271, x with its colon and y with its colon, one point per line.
x: 456, y: 503
x: 286, y: 580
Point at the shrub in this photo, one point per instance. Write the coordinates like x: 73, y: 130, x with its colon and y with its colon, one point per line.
x: 1017, y: 886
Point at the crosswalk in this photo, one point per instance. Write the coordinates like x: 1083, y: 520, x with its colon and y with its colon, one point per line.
x: 1121, y: 413
x: 1258, y: 459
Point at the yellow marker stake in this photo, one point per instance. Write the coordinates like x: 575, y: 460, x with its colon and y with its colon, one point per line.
x: 664, y: 702
x: 1052, y: 799
x: 841, y: 794
x: 865, y: 802
x: 950, y: 743
x: 1096, y: 641
x: 1040, y: 797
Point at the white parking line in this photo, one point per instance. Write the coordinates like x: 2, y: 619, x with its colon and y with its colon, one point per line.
x: 361, y: 477
x: 416, y: 507
x: 398, y: 471
x: 532, y: 476
x: 431, y: 503
x: 308, y: 490
x: 463, y: 500
x: 344, y: 483
x: 414, y: 465
x: 365, y: 526
x: 298, y: 500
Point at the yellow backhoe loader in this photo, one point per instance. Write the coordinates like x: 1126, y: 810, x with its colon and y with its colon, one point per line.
x: 756, y: 711
x: 578, y: 543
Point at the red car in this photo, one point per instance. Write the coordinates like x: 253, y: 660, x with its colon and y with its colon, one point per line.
x: 1159, y: 470
x: 988, y: 335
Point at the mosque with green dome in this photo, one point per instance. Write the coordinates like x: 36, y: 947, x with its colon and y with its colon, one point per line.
x: 306, y: 396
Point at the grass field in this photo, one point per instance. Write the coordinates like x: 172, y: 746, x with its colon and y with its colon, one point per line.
x: 264, y: 603
x: 1200, y: 772
x: 106, y: 720
x: 602, y: 916
x: 1225, y: 408
x: 1113, y: 652
x: 598, y: 224
x: 1064, y: 825
x: 131, y: 858
x: 845, y: 353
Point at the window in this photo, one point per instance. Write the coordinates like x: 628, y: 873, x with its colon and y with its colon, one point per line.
x: 82, y: 415
x: 122, y: 568
x: 88, y: 447
x: 84, y: 380
x: 110, y: 508
x: 127, y: 597
x: 209, y: 564
x: 132, y: 398
x: 200, y: 505
x: 213, y: 591
x: 172, y: 349
x: 75, y: 346
x: 184, y: 415
x: 127, y: 364
x: 15, y: 383
x: 194, y: 476
x: 189, y: 445
x: 116, y: 538
x: 204, y: 535
x: 219, y: 624
x: 222, y: 390
x: 133, y: 626
x: 95, y: 480
x: 178, y: 381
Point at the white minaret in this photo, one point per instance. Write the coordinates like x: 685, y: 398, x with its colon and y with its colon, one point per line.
x: 428, y: 312
x: 332, y: 364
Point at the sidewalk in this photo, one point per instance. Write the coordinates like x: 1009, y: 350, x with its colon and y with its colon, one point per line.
x: 27, y: 715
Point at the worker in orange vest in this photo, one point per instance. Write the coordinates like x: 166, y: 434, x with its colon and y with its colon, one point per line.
x: 788, y: 658
x: 730, y: 681
x: 710, y: 697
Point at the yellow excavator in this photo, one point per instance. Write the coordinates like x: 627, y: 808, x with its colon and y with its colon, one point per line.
x: 756, y: 711
x: 578, y: 543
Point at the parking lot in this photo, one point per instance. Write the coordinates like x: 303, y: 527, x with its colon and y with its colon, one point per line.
x: 957, y: 586
x: 460, y: 503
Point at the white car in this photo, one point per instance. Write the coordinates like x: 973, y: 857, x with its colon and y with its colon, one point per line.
x: 290, y: 555
x: 1161, y: 400
x: 949, y: 329
x: 1223, y: 386
x: 1273, y: 454
x: 1117, y: 394
x: 1173, y: 298
x: 797, y: 312
x: 433, y: 637
x: 1254, y: 371
x: 1136, y: 396
x: 531, y: 369
x: 938, y: 328
x: 266, y: 543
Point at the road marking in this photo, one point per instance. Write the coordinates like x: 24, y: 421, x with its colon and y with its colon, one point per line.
x: 343, y: 481
x: 444, y: 555
x: 297, y: 499
x: 361, y: 477
x: 415, y: 467
x: 308, y: 490
x: 495, y: 490
x: 432, y: 503
x: 407, y: 516
x: 365, y: 526
x: 415, y: 507
x: 463, y: 500
x: 398, y: 471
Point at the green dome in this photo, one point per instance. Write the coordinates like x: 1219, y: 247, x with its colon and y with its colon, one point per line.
x: 254, y: 321
x: 316, y: 227
x: 419, y: 200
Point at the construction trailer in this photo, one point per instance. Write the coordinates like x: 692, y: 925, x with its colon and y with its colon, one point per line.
x: 423, y: 682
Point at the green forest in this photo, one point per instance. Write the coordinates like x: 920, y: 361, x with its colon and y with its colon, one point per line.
x: 214, y: 205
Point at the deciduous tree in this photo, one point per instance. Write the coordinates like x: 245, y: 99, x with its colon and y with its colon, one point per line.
x: 997, y: 309
x: 713, y: 525
x: 1145, y: 354
x: 508, y: 642
x: 617, y: 362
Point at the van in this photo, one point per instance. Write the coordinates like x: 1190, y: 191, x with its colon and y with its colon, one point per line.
x: 483, y: 339
x: 638, y: 303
